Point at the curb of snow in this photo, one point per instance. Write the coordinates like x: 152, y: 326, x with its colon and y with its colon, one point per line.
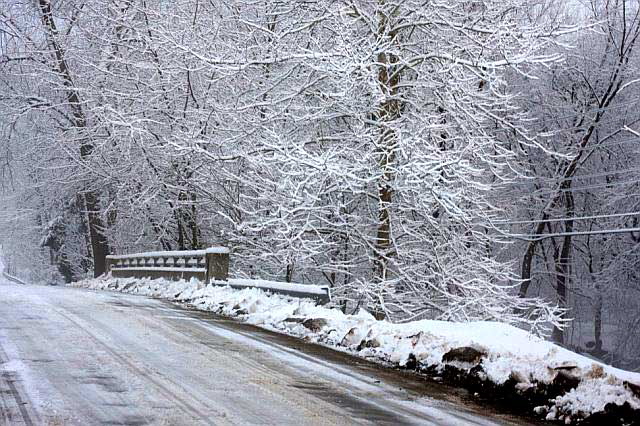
x: 487, y: 357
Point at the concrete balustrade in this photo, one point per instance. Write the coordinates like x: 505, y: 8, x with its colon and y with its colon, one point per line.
x: 210, y: 266
x: 207, y: 265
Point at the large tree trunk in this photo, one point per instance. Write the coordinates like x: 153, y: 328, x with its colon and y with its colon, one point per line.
x: 389, y: 110
x: 99, y: 244
x: 527, y: 260
x: 563, y: 263
x: 597, y: 323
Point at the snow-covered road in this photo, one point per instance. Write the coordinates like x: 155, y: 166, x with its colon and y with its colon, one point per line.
x: 73, y: 356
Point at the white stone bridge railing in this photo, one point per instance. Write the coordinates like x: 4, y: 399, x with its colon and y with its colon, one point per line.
x: 210, y: 266
x: 204, y: 265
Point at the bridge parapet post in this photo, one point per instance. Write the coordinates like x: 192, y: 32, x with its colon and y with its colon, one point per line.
x: 217, y: 264
x: 107, y: 265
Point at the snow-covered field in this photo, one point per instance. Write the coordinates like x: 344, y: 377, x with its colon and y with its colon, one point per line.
x: 495, y: 352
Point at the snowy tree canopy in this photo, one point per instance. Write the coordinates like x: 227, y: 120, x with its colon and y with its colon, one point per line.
x: 455, y: 160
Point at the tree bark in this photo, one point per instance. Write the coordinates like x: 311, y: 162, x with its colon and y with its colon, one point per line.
x: 389, y: 110
x: 597, y: 323
x: 563, y: 263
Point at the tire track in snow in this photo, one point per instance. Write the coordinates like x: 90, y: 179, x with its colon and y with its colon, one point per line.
x: 162, y: 388
x: 10, y: 379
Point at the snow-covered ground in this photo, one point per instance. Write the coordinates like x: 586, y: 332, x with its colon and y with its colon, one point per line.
x: 503, y: 352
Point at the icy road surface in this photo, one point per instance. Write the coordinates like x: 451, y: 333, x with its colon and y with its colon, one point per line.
x: 73, y: 356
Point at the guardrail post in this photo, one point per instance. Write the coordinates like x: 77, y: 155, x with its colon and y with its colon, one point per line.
x: 217, y: 261
x: 107, y: 265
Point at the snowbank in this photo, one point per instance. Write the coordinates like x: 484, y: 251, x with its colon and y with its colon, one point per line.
x: 569, y: 386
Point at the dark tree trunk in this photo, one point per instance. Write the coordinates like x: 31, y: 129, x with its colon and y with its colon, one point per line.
x: 99, y: 243
x: 389, y: 110
x: 180, y: 240
x: 597, y: 324
x: 289, y: 274
x: 563, y: 265
x: 193, y: 224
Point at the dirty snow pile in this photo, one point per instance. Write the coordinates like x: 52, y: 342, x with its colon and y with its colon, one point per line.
x: 505, y: 354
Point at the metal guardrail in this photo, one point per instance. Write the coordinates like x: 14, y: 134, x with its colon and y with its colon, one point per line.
x: 321, y: 294
x: 211, y: 266
x: 12, y: 278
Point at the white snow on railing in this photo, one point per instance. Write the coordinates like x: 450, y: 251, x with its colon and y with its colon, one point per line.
x: 320, y: 290
x: 12, y: 278
x: 164, y: 269
x: 184, y: 253
x: 5, y: 274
